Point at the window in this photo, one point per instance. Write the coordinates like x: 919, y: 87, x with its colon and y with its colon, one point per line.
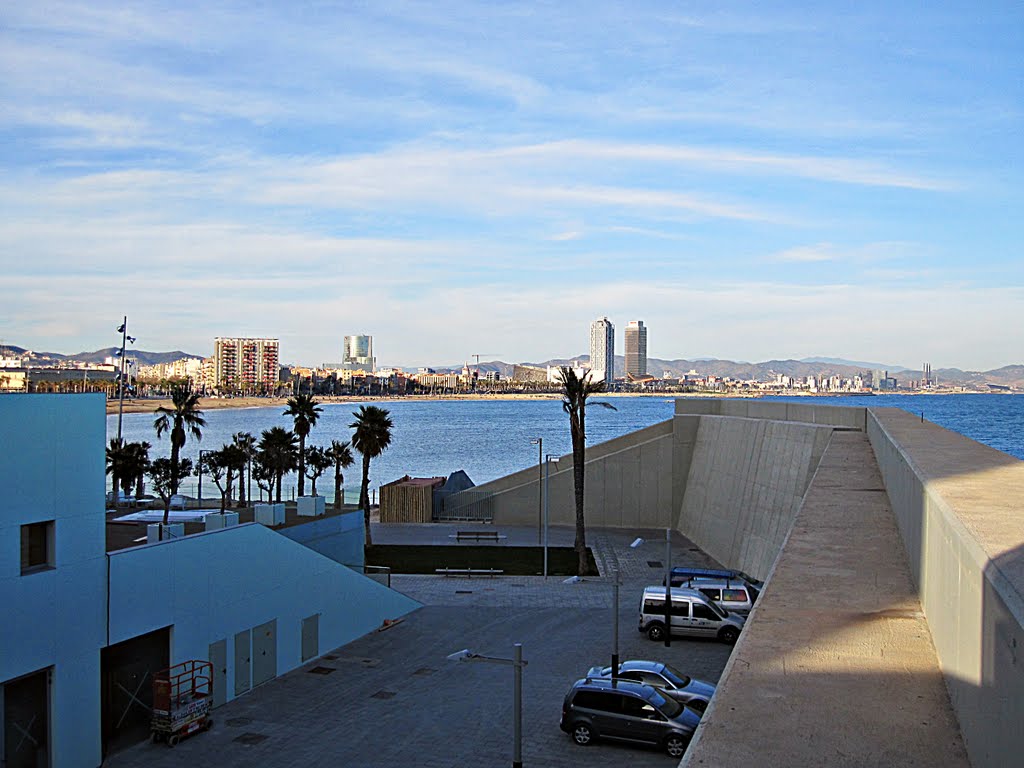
x: 681, y: 608
x: 36, y: 547
x: 734, y: 596
x: 701, y: 611
x: 638, y: 708
x: 599, y: 700
x: 713, y: 593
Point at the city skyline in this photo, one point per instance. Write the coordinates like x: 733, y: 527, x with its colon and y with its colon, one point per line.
x: 754, y: 182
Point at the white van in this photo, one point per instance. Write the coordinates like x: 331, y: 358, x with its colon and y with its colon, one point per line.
x: 692, y: 614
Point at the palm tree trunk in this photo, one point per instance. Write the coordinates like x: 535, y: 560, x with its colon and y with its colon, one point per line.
x: 364, y: 498
x: 579, y: 473
x: 175, y: 453
x: 302, y: 464
x: 337, y: 487
x: 280, y: 478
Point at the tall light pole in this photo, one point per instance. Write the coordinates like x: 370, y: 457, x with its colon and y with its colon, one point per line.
x: 200, y: 468
x: 125, y: 338
x: 517, y: 692
x: 539, y: 442
x: 547, y: 472
x: 668, y: 587
x: 615, y: 625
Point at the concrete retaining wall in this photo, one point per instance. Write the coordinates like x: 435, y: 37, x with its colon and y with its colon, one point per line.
x: 848, y: 417
x: 960, y: 510
x: 629, y: 483
x: 745, y: 483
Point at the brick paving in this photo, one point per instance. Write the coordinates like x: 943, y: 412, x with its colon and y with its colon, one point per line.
x: 392, y: 699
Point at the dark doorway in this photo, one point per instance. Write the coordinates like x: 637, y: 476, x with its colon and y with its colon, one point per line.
x: 26, y: 737
x: 127, y: 673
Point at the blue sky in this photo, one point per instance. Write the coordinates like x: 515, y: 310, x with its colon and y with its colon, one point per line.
x: 753, y: 180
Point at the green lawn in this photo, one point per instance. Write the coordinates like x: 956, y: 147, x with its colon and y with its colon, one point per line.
x: 514, y: 561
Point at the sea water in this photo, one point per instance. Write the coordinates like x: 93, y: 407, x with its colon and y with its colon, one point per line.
x: 492, y: 438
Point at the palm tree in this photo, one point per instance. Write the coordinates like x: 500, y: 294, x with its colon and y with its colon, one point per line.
x: 165, y: 474
x: 246, y: 441
x: 141, y: 464
x: 278, y: 453
x: 185, y: 417
x: 117, y: 461
x: 372, y: 435
x: 305, y: 410
x: 317, y: 462
x: 341, y: 455
x: 575, y: 391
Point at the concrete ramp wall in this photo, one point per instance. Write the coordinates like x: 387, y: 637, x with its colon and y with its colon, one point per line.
x: 629, y: 483
x: 745, y: 482
x: 959, y: 506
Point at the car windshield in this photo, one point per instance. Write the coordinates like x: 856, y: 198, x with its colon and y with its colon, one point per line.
x: 674, y: 676
x: 669, y: 707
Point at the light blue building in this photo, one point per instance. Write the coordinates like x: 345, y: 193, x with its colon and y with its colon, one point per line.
x: 85, y: 630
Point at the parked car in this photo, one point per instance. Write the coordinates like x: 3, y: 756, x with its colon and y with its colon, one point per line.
x: 682, y: 573
x: 670, y: 681
x: 692, y: 614
x: 596, y: 709
x: 731, y: 595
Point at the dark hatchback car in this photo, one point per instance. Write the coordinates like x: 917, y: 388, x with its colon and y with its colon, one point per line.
x: 623, y: 710
x: 670, y: 681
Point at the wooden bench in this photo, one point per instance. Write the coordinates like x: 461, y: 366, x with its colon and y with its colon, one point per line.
x: 477, y: 536
x: 469, y: 572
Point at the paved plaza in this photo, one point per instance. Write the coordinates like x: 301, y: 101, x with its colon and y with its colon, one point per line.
x: 392, y: 699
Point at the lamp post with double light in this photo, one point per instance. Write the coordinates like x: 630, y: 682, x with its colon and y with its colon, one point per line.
x: 517, y: 692
x: 125, y: 338
x: 539, y: 442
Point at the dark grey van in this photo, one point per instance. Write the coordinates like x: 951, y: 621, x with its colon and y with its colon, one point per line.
x: 618, y: 709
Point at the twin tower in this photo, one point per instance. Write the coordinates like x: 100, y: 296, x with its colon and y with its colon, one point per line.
x: 602, y: 350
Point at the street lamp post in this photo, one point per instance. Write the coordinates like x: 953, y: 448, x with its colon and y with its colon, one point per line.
x: 547, y: 472
x: 668, y: 587
x: 125, y: 338
x: 517, y: 692
x: 615, y: 625
x: 539, y: 442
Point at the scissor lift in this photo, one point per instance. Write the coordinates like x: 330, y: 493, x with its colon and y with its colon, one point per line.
x: 182, y: 699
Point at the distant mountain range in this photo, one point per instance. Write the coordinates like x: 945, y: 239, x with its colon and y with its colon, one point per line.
x: 1007, y: 376
x: 52, y: 358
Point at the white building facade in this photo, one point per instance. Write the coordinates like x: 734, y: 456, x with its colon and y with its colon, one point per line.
x: 602, y: 351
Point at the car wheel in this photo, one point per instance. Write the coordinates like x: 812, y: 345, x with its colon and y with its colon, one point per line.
x: 656, y: 632
x: 583, y: 734
x: 728, y: 635
x: 676, y: 745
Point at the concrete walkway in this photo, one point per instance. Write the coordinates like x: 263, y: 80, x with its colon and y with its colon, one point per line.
x: 836, y: 666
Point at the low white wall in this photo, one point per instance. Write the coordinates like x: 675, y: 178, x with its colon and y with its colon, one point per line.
x: 959, y: 506
x: 746, y: 480
x: 209, y: 586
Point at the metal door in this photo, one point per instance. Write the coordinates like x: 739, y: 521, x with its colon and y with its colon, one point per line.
x: 311, y: 637
x: 264, y: 652
x: 26, y: 729
x: 219, y: 659
x: 243, y: 661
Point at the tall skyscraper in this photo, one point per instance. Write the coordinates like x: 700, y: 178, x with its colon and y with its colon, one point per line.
x: 602, y: 350
x: 246, y: 365
x: 636, y: 348
x: 357, y: 352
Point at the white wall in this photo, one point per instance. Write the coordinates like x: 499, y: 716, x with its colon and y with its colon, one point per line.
x: 52, y: 468
x: 212, y: 585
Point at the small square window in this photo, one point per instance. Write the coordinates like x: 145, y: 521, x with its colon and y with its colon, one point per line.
x: 36, y: 547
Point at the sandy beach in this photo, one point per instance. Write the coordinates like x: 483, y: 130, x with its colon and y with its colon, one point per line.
x: 211, y: 403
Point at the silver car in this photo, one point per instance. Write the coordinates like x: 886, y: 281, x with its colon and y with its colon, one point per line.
x: 670, y: 681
